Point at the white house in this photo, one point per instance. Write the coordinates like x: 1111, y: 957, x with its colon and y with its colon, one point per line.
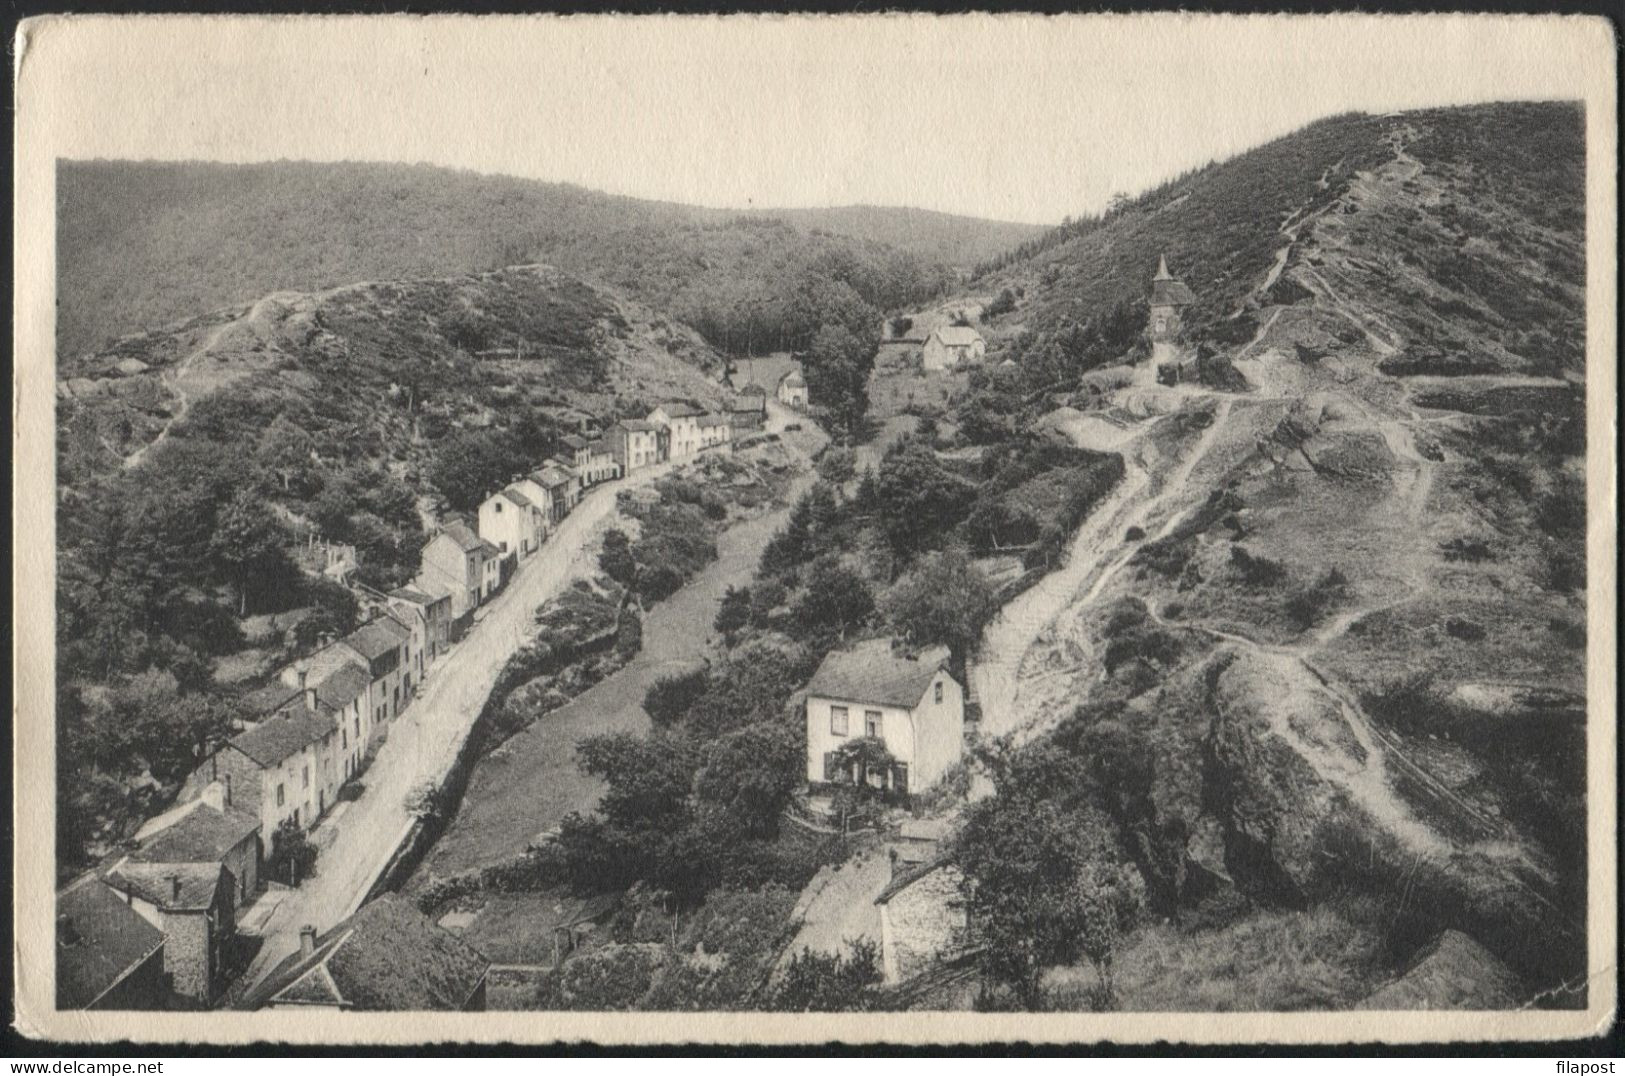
x: 909, y: 703
x: 681, y: 423
x: 949, y: 346
x: 793, y: 390
x: 512, y: 521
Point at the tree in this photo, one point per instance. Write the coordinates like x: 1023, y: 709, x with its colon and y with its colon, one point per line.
x: 284, y: 449
x: 649, y: 779
x: 837, y: 598
x: 944, y: 599
x: 831, y: 982
x: 837, y: 367
x: 733, y: 612
x: 616, y: 557
x: 751, y: 774
x: 469, y: 464
x: 916, y: 498
x: 670, y: 697
x: 250, y: 547
x: 901, y: 324
x: 837, y: 465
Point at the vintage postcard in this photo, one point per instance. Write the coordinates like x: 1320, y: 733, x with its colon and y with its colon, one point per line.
x: 884, y: 529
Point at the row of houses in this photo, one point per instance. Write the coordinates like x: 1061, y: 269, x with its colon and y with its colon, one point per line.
x: 156, y: 926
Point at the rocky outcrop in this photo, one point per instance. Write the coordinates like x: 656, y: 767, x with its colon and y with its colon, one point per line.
x: 1276, y: 809
x: 1455, y: 972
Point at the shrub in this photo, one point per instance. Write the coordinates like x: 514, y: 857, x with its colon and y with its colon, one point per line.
x: 1255, y: 571
x: 670, y: 697
x: 1467, y: 630
x: 1134, y: 534
x: 1471, y: 550
x: 1306, y: 604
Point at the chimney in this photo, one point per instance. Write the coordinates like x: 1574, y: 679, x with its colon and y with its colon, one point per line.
x: 307, y: 940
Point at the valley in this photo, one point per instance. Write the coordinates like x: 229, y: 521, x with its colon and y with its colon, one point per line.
x: 1253, y: 527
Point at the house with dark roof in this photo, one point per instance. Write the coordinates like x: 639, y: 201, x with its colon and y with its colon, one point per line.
x: 574, y: 450
x: 455, y: 558
x: 107, y: 955
x: 876, y: 692
x: 206, y: 830
x: 433, y: 608
x: 949, y: 346
x: 387, y: 957
x: 748, y: 410
x: 562, y: 486
x: 193, y: 905
x: 1169, y: 298
x: 511, y: 520
x: 286, y: 769
x: 715, y: 429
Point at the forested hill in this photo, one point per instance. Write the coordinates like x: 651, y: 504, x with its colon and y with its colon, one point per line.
x: 141, y: 244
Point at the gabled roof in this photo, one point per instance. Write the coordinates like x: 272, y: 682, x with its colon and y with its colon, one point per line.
x: 202, y: 834
x: 418, y: 595
x: 266, y: 700
x: 343, y: 686
x: 174, y: 887
x: 459, y: 532
x: 376, y: 638
x: 713, y: 420
x: 679, y: 409
x: 636, y: 425
x: 751, y: 388
x: 386, y: 957
x: 282, y: 735
x: 99, y: 940
x: 794, y: 380
x: 571, y: 441
x: 956, y: 335
x: 552, y: 476
x: 515, y: 497
x: 870, y: 672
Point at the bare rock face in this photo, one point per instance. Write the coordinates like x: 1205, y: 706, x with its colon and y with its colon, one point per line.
x: 1275, y: 807
x: 1455, y: 972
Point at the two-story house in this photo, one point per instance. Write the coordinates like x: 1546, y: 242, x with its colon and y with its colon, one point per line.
x: 511, y: 521
x: 715, y: 429
x: 560, y: 485
x: 434, y: 610
x: 189, y: 878
x: 635, y: 444
x: 910, y: 704
x: 601, y: 463
x: 455, y: 559
x: 286, y: 769
x: 679, y: 426
x: 747, y: 411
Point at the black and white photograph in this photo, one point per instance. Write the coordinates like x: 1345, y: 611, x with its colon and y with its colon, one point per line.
x: 852, y: 528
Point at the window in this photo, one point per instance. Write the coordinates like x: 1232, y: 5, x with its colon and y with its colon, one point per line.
x: 837, y: 720
x: 937, y: 694
x: 499, y: 508
x: 279, y: 795
x: 307, y: 777
x: 871, y: 723
x: 344, y: 738
x: 228, y: 789
x: 358, y: 721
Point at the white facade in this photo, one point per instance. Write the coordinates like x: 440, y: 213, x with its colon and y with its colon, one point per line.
x: 510, y: 526
x: 928, y: 738
x: 948, y: 347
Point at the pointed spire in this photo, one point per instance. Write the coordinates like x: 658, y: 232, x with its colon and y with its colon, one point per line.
x: 1162, y: 268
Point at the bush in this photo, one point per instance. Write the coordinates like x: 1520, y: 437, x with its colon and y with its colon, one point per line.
x: 1471, y: 550
x: 1306, y: 604
x: 1256, y: 571
x: 1467, y: 630
x: 670, y: 697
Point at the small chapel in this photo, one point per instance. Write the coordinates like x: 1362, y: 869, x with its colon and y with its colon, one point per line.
x: 1169, y: 297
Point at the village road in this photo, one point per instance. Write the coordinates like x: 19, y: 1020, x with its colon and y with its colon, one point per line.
x: 424, y: 740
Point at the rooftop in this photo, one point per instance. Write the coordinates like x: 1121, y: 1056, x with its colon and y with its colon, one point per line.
x: 343, y: 686
x: 386, y: 957
x: 174, y: 887
x: 376, y: 638
x: 573, y: 442
x: 679, y: 409
x: 1166, y: 290
x: 459, y: 532
x: 203, y: 834
x: 513, y: 496
x: 872, y: 672
x: 282, y: 735
x: 99, y: 940
x: 637, y: 425
x: 956, y: 335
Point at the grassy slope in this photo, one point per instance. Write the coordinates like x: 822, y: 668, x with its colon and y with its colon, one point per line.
x: 141, y: 244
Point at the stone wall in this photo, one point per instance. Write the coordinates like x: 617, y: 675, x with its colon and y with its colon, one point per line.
x: 923, y: 923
